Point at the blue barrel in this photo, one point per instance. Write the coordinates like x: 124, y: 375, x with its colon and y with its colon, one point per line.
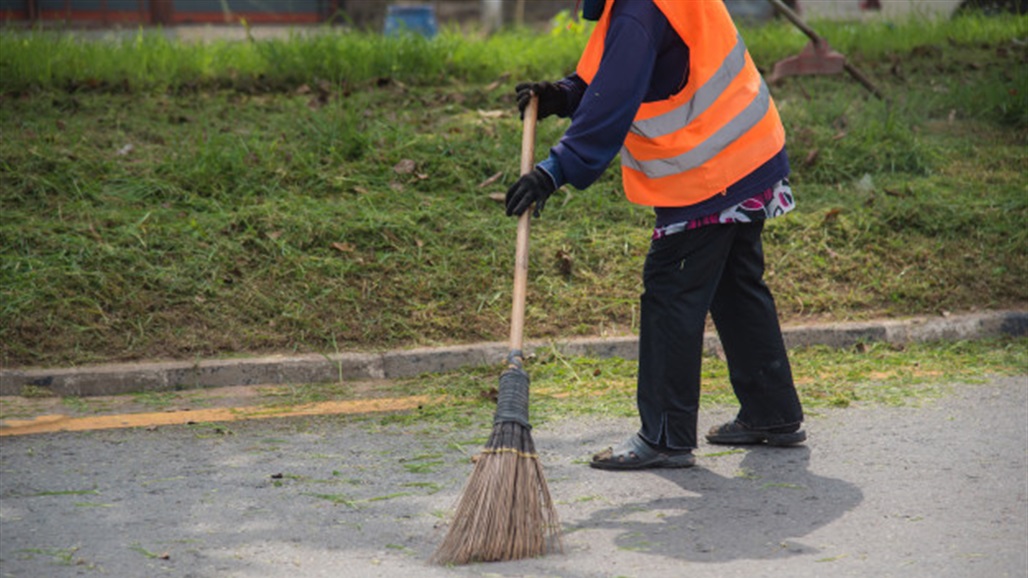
x: 416, y: 19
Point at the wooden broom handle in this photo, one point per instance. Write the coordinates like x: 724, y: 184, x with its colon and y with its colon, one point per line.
x: 517, y: 317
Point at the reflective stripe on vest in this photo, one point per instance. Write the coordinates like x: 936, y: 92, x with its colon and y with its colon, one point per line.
x: 695, y: 144
x: 706, y: 150
x: 704, y: 97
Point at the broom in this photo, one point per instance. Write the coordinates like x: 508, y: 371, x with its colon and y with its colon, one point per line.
x: 505, y: 512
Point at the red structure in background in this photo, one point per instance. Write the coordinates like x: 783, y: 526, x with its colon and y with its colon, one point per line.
x: 170, y: 12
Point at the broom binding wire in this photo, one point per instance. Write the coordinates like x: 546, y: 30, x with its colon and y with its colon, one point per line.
x: 512, y: 399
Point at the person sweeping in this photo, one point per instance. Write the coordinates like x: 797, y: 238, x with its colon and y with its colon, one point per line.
x: 671, y: 86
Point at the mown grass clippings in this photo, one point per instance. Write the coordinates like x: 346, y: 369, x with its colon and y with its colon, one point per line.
x: 59, y: 556
x: 293, y: 394
x: 156, y: 400
x: 388, y: 497
x: 36, y: 392
x: 92, y: 492
x: 866, y: 375
x: 463, y: 403
x: 723, y: 453
x: 204, y: 430
x: 429, y: 487
x: 422, y: 466
x: 337, y: 499
x: 139, y: 548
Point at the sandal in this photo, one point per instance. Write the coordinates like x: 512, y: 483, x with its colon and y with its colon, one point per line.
x: 735, y: 433
x: 635, y: 454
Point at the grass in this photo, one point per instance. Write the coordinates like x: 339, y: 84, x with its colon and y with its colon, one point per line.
x: 322, y: 193
x: 138, y: 548
x: 59, y: 556
x: 67, y: 493
x: 337, y: 499
x: 423, y: 464
x: 867, y: 375
x: 149, y: 61
x: 864, y: 376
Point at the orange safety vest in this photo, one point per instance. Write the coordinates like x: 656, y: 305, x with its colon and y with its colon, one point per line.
x: 719, y: 128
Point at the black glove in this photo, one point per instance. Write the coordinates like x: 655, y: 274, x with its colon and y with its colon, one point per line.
x: 534, y: 187
x: 551, y: 98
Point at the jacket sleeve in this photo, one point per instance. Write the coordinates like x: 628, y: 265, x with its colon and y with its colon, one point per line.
x: 608, y: 105
x: 573, y: 87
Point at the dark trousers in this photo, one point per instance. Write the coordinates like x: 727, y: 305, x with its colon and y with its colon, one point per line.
x: 720, y: 269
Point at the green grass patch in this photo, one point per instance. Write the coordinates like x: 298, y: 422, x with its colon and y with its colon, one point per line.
x: 321, y: 193
x: 40, y: 60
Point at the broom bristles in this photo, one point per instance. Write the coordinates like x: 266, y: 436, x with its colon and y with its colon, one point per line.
x: 505, y: 512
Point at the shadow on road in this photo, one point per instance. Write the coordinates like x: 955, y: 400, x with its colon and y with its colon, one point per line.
x: 762, y: 511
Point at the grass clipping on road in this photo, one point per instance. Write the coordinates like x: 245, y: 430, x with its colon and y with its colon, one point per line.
x: 865, y: 375
x: 171, y: 200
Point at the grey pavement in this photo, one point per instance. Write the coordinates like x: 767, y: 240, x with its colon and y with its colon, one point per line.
x: 933, y: 491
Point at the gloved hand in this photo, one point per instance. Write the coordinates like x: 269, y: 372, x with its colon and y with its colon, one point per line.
x: 551, y: 98
x: 534, y: 187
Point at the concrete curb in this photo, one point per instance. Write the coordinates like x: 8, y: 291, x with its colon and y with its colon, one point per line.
x: 178, y: 375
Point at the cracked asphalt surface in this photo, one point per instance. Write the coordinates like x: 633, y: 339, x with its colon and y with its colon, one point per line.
x: 937, y: 490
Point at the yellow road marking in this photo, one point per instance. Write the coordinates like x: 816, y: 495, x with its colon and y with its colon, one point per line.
x: 56, y: 423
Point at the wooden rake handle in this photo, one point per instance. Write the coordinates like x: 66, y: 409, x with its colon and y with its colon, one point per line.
x: 517, y: 317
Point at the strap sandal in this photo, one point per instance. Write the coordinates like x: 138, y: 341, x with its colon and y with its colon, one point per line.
x: 734, y: 433
x: 636, y: 454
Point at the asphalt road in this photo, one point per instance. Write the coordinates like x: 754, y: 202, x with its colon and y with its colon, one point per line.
x: 931, y: 491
